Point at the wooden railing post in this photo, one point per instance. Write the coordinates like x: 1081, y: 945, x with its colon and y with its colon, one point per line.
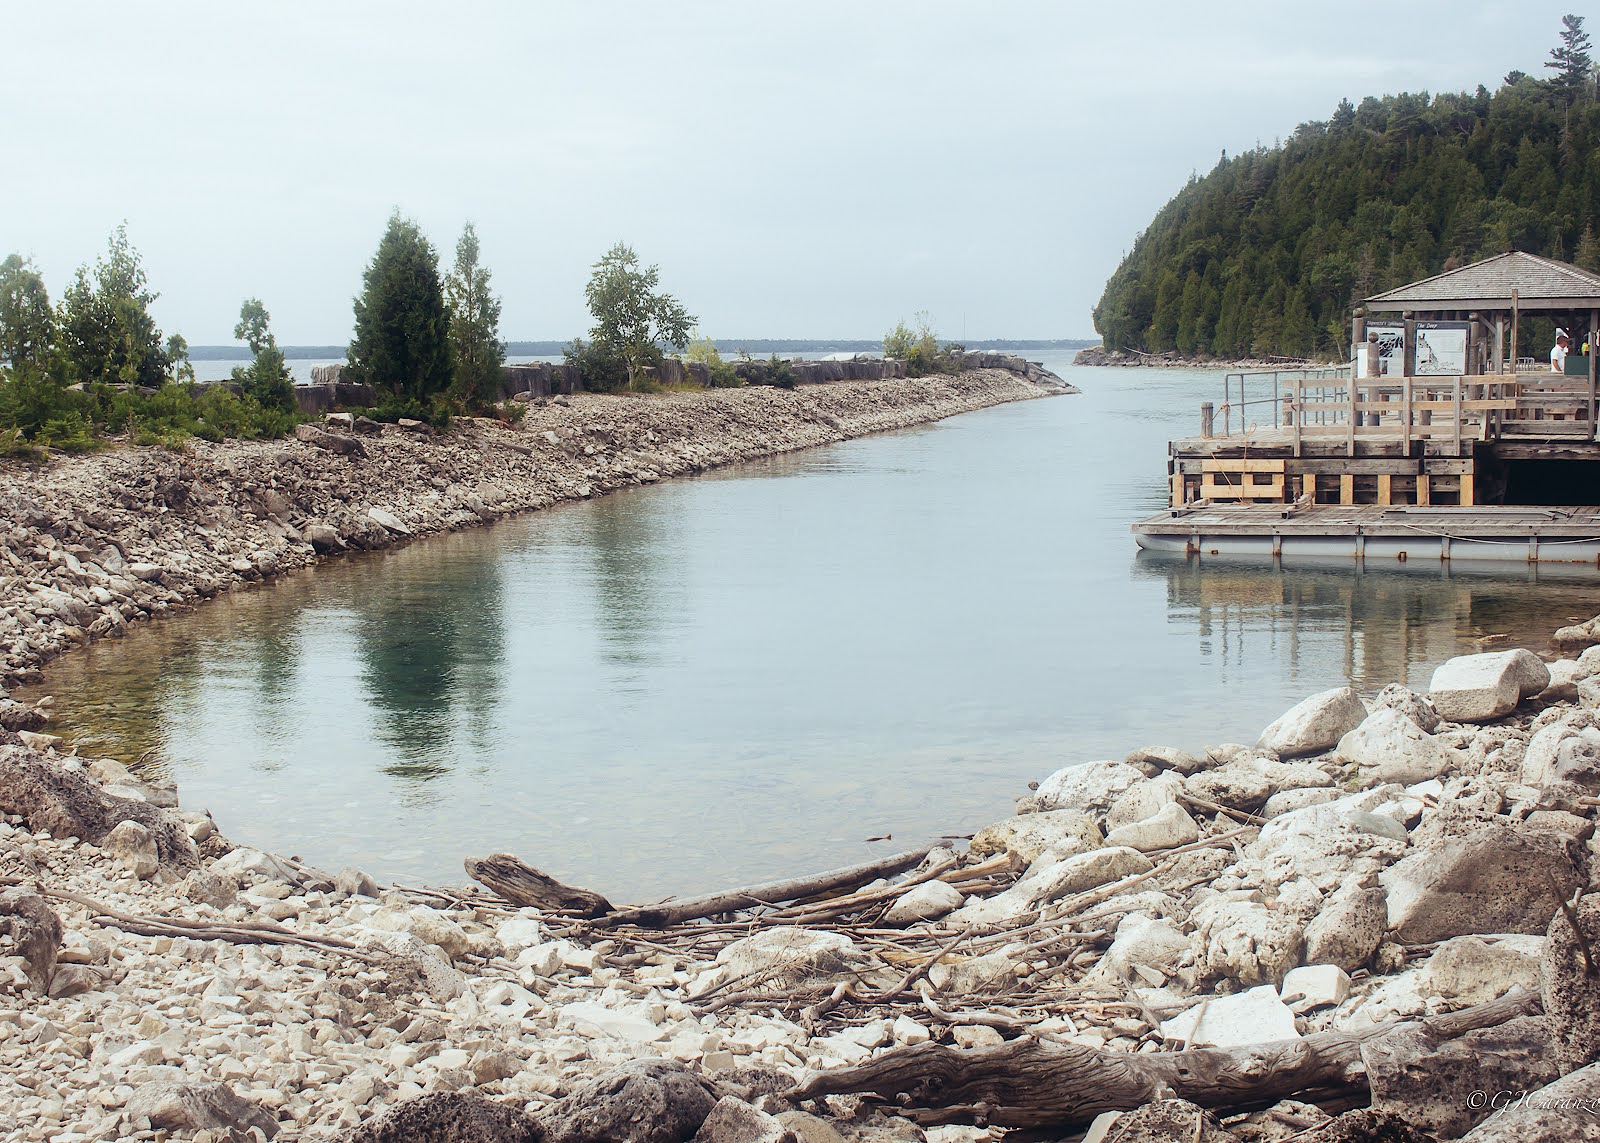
x: 1405, y: 415
x: 1456, y: 427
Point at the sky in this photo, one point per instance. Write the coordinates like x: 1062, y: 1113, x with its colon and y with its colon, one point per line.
x: 797, y: 171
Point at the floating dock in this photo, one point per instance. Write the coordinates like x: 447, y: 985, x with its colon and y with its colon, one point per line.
x: 1375, y: 533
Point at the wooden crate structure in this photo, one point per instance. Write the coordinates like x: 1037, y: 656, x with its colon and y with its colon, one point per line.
x: 1224, y: 479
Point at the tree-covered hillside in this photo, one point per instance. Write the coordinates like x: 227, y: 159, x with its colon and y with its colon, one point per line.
x: 1267, y: 253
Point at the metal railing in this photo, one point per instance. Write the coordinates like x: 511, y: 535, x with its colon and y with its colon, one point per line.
x: 1237, y: 402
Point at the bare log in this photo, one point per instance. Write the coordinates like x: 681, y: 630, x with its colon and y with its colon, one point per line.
x: 1032, y: 1083
x: 522, y: 884
x: 770, y: 893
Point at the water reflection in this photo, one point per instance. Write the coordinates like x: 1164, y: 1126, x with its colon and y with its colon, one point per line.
x: 1385, y: 623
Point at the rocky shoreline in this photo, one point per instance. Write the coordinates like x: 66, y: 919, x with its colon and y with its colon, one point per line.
x: 1372, y: 906
x: 96, y: 542
x: 1101, y: 356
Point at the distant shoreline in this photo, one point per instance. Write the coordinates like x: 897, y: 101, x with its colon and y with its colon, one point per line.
x: 1098, y: 355
x: 726, y: 345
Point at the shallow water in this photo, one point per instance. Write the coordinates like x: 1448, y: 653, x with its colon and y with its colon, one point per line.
x: 751, y: 673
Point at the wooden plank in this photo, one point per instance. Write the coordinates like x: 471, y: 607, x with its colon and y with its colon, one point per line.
x: 1468, y: 479
x: 1424, y: 490
x: 1308, y: 486
x: 1178, y: 499
x: 1251, y: 464
x: 1347, y: 489
x: 1385, y: 488
x: 1211, y: 490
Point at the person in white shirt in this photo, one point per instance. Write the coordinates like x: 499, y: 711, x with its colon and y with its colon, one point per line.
x: 1558, y: 353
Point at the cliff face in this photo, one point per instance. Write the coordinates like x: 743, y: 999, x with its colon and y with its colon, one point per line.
x: 96, y: 542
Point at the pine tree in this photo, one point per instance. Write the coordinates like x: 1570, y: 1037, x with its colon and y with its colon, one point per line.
x: 1571, y: 61
x: 107, y: 332
x: 402, y: 341
x: 474, y: 326
x: 267, y: 378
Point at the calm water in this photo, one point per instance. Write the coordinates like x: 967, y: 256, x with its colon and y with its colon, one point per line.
x: 751, y: 673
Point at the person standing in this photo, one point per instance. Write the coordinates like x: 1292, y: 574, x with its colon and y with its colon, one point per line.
x: 1558, y: 353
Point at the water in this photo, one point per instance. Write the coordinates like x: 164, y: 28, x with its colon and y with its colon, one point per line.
x: 752, y: 673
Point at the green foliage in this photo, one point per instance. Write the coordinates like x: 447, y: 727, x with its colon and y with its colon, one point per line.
x: 106, y: 331
x: 178, y: 355
x: 266, y: 379
x: 918, y: 347
x: 602, y: 367
x: 402, y: 341
x: 474, y: 327
x: 632, y: 316
x: 1267, y: 253
x: 703, y: 351
x: 1570, y: 61
x: 780, y: 373
x: 27, y: 323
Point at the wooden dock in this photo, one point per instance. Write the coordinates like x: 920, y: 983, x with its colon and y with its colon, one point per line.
x: 1517, y: 534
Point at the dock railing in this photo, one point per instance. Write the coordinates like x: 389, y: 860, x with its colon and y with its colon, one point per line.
x: 1326, y: 404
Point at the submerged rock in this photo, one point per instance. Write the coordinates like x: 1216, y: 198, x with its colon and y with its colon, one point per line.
x: 1477, y: 688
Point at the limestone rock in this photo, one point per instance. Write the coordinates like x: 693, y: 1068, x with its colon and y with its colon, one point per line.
x: 1563, y: 752
x: 1478, y: 688
x: 352, y: 882
x: 1314, y: 724
x: 30, y: 929
x: 333, y: 442
x: 448, y: 1117
x: 205, y: 888
x: 788, y: 956
x: 1287, y: 801
x: 1571, y: 994
x: 199, y: 1107
x: 68, y: 803
x: 808, y: 1128
x: 1144, y: 800
x: 1496, y: 879
x: 1155, y: 758
x: 416, y: 963
x: 925, y: 902
x: 641, y: 1101
x: 1328, y: 844
x: 1471, y: 970
x: 134, y: 846
x: 1390, y: 747
x: 1237, y: 787
x: 1247, y: 942
x: 735, y: 1121
x: 1562, y: 1111
x: 1144, y: 943
x: 388, y: 520
x: 244, y: 860
x: 975, y: 975
x: 1577, y: 637
x: 1029, y: 835
x: 1090, y: 787
x: 1438, y: 1085
x: 1166, y: 1120
x: 1409, y: 703
x: 1347, y: 930
x: 1168, y: 829
x: 1255, y: 1016
x: 1316, y: 985
x: 523, y: 930
x: 425, y: 924
x: 324, y: 538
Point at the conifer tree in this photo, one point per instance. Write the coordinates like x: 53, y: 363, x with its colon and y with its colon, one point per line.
x: 474, y: 326
x: 1571, y: 61
x: 402, y: 341
x: 267, y: 378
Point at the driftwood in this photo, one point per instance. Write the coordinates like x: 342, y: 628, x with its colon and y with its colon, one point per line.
x: 524, y: 885
x: 1032, y: 1083
x: 772, y: 892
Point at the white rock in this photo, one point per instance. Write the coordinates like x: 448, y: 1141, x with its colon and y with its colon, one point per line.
x: 1144, y: 800
x: 133, y: 845
x: 388, y: 520
x: 1287, y: 801
x: 1090, y: 786
x: 425, y: 924
x: 1317, y: 986
x: 1389, y: 747
x: 418, y: 960
x: 787, y: 956
x: 1473, y: 970
x: 1144, y: 942
x: 1477, y: 688
x: 908, y: 1032
x: 1255, y: 1016
x: 242, y: 860
x: 975, y: 975
x: 1051, y: 878
x: 925, y: 902
x: 1327, y: 844
x: 1167, y: 829
x: 1562, y: 752
x: 1347, y: 930
x: 629, y: 1024
x: 1314, y: 724
x: 1414, y: 706
x: 520, y: 931
x: 1029, y: 835
x: 1245, y: 941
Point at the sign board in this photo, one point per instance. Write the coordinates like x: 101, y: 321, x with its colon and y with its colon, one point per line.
x: 1442, y: 348
x: 1391, y: 349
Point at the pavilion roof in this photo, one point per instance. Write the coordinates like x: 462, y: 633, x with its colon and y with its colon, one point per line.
x: 1540, y: 283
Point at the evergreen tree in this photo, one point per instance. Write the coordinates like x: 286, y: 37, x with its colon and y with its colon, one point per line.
x: 1571, y: 61
x: 267, y: 378
x: 402, y: 341
x: 107, y: 333
x: 27, y: 324
x: 474, y: 326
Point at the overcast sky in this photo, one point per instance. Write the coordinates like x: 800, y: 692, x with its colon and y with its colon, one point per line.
x: 804, y: 170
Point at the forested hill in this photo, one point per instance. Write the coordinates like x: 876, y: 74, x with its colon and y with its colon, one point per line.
x: 1266, y: 254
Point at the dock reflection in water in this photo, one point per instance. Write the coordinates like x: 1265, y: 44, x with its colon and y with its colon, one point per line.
x: 1381, y: 626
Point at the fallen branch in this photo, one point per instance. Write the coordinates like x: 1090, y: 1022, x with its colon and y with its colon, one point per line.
x: 770, y: 893
x: 1032, y: 1083
x: 521, y: 884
